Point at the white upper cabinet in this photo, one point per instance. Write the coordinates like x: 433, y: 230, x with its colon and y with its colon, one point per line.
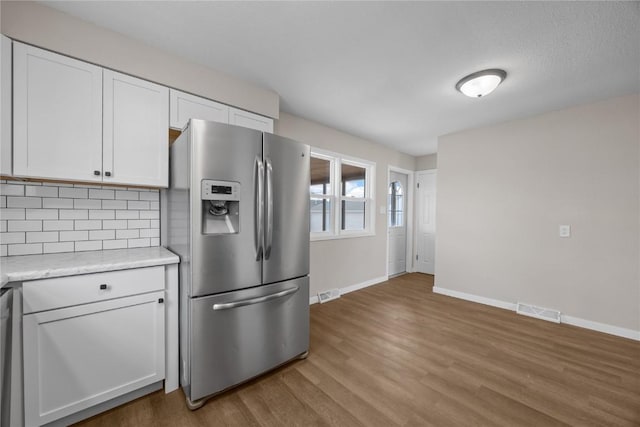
x: 57, y: 116
x: 249, y: 120
x: 5, y: 106
x: 136, y: 139
x: 184, y: 106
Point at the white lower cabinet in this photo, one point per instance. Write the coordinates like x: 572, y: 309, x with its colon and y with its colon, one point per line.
x: 80, y: 356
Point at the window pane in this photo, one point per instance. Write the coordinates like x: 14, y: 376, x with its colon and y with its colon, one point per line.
x: 320, y: 176
x: 320, y: 215
x: 395, y: 204
x: 353, y: 181
x: 353, y: 215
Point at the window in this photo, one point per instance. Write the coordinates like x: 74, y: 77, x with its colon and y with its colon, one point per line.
x: 341, y: 196
x: 396, y: 204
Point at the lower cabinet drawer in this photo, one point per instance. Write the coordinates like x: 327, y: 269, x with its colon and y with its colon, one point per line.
x: 81, y: 356
x: 48, y: 294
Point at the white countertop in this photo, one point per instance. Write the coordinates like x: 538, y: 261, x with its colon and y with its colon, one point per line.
x: 32, y: 267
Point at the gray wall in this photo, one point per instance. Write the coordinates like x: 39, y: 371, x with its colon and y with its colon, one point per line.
x: 430, y: 161
x: 503, y: 190
x: 50, y: 29
x: 345, y: 262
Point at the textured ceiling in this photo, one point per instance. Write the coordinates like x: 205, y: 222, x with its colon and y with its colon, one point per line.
x: 386, y: 71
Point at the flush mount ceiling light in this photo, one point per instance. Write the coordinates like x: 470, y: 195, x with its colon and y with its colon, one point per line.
x: 482, y: 83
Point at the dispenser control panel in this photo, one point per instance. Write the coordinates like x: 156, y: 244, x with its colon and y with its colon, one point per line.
x: 220, y: 190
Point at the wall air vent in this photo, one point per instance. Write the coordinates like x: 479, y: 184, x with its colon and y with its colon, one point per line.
x: 328, y: 295
x: 538, y: 312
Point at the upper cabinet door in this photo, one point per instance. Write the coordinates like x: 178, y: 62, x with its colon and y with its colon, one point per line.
x: 57, y: 116
x: 184, y: 107
x: 249, y: 120
x: 5, y: 106
x: 136, y: 139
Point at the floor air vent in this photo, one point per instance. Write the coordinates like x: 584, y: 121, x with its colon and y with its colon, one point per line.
x: 538, y: 312
x: 328, y: 295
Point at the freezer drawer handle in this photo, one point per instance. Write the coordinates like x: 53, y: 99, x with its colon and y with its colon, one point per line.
x: 257, y: 300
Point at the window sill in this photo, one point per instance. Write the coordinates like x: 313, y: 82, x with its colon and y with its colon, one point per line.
x: 320, y: 237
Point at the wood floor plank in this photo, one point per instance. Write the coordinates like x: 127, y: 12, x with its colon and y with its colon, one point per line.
x: 396, y: 354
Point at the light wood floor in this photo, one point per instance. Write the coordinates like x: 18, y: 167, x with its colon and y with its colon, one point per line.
x: 397, y: 354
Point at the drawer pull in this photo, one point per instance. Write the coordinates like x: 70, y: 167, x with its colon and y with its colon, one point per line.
x: 107, y: 174
x: 161, y: 300
x: 103, y: 287
x: 97, y: 173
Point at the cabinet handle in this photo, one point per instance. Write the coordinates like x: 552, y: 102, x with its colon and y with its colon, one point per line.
x: 107, y: 174
x: 97, y: 173
x: 161, y: 300
x: 103, y: 286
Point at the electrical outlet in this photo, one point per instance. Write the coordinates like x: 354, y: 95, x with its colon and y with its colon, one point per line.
x: 564, y: 231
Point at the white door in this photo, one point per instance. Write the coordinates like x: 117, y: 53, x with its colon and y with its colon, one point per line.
x: 426, y: 224
x: 80, y: 356
x: 184, y: 106
x: 397, y: 222
x: 136, y: 126
x: 57, y: 116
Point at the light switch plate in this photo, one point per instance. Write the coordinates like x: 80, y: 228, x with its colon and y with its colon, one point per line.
x: 564, y: 231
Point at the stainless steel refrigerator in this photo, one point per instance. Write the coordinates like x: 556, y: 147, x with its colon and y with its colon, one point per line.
x: 238, y: 217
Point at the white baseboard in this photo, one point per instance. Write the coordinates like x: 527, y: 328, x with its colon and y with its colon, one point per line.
x: 351, y: 288
x: 475, y: 298
x: 569, y: 320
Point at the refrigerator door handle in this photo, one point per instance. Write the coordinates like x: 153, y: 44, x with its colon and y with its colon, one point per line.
x: 269, y: 231
x: 250, y: 301
x: 259, y: 210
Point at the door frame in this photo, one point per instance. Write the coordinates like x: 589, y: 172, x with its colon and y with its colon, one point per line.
x: 417, y: 207
x: 409, y: 255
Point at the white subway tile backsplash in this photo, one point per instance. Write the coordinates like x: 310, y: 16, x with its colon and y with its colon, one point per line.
x: 93, y: 224
x: 102, y: 214
x: 125, y: 214
x: 114, y: 204
x: 114, y: 224
x: 74, y: 193
x: 52, y: 248
x: 74, y: 214
x: 42, y: 236
x: 150, y: 195
x: 127, y: 234
x: 51, y: 217
x: 26, y: 249
x: 42, y: 214
x: 127, y: 195
x: 40, y: 191
x: 9, y: 238
x: 21, y: 225
x: 57, y: 203
x: 134, y: 204
x: 57, y: 225
x: 12, y: 189
x: 87, y: 204
x: 139, y: 243
x: 101, y: 194
x: 12, y: 213
x: 24, y: 202
x: 149, y: 232
x: 115, y: 244
x: 138, y: 223
x: 102, y: 234
x: 149, y: 214
x: 71, y: 236
x: 91, y: 245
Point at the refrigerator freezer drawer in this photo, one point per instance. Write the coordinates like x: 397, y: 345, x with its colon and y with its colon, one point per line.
x: 239, y: 335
